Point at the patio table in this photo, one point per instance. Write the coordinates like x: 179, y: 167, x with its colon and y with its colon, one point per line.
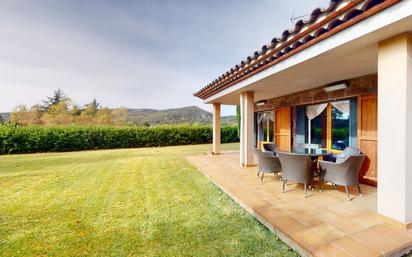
x: 312, y: 152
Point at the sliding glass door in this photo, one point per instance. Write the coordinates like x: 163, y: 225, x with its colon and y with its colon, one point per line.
x: 317, y: 133
x: 340, y: 126
x: 331, y: 125
x: 265, y: 126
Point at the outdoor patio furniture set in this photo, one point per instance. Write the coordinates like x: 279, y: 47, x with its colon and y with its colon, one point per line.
x: 302, y: 165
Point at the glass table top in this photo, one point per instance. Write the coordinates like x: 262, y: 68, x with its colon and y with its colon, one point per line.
x: 311, y: 151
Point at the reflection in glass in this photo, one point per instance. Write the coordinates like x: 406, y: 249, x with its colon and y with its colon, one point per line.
x: 318, y: 129
x: 340, y: 125
x: 262, y: 127
x: 271, y: 126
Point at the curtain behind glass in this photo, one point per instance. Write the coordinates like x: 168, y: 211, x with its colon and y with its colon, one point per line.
x: 271, y: 126
x: 312, y: 111
x: 262, y: 126
x: 342, y: 106
x: 300, y: 137
x: 353, y: 122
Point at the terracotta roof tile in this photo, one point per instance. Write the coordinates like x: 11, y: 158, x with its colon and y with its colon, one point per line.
x: 321, y: 24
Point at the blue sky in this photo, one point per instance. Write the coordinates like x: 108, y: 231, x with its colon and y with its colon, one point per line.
x: 138, y: 54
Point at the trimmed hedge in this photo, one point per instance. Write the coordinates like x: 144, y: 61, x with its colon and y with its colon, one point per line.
x: 32, y: 139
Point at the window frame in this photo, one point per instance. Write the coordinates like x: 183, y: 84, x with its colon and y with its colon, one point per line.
x: 329, y: 127
x: 267, y: 136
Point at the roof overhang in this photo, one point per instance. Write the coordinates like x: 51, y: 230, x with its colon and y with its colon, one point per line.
x: 347, y: 54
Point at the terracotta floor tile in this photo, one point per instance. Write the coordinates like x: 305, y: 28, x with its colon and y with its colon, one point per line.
x: 274, y: 200
x: 329, y: 250
x: 306, y: 219
x: 401, y: 237
x: 289, y: 209
x: 369, y: 202
x: 381, y: 242
x: 327, y: 216
x: 346, y: 225
x: 269, y: 211
x: 328, y: 232
x: 288, y: 225
x: 347, y: 209
x: 324, y: 200
x: 274, y: 214
x: 304, y: 205
x: 252, y: 200
x: 355, y: 248
x: 366, y: 220
x: 323, y: 224
x: 308, y: 239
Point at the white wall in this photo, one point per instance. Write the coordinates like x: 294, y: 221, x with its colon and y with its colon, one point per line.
x: 395, y: 128
x: 216, y: 129
x: 247, y: 106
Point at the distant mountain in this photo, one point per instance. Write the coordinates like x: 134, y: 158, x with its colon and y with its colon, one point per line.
x: 191, y: 114
x: 5, y: 116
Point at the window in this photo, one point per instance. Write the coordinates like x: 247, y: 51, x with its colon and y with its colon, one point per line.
x: 262, y: 126
x: 331, y: 125
x: 340, y: 125
x: 271, y: 126
x: 318, y: 129
x: 265, y: 123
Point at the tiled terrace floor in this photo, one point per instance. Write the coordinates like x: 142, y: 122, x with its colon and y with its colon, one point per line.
x: 323, y: 224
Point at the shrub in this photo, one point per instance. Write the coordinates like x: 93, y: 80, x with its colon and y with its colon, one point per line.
x: 31, y: 139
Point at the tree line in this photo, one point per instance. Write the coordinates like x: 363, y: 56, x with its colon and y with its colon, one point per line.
x: 59, y: 109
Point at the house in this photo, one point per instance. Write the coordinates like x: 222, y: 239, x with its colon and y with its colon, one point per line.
x: 343, y: 77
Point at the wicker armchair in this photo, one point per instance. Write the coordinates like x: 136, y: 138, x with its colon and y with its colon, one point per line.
x: 269, y: 149
x: 315, y: 169
x: 348, y: 151
x: 297, y: 168
x: 267, y: 164
x: 344, y: 173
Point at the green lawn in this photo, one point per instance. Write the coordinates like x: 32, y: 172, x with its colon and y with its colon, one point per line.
x: 128, y: 202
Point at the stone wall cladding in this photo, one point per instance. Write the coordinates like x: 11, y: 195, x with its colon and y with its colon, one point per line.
x: 357, y: 86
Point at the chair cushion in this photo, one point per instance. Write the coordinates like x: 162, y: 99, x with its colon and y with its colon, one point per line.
x: 269, y: 147
x: 349, y: 151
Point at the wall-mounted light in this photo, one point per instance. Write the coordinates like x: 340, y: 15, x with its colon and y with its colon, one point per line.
x: 335, y: 87
x: 260, y: 103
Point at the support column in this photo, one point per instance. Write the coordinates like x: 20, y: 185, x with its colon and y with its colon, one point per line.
x: 395, y: 129
x: 247, y: 106
x: 216, y: 129
x: 242, y: 130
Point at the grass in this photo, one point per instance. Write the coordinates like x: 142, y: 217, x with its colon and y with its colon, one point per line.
x: 129, y: 202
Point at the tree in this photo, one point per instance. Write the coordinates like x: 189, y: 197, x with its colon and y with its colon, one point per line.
x: 1, y: 119
x: 19, y: 115
x: 94, y: 104
x: 76, y: 111
x: 35, y: 115
x: 104, y: 117
x: 58, y: 114
x: 92, y: 108
x: 23, y: 116
x: 85, y: 119
x: 57, y: 97
x: 119, y: 116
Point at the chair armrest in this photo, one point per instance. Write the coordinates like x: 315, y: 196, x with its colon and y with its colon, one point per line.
x: 326, y: 164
